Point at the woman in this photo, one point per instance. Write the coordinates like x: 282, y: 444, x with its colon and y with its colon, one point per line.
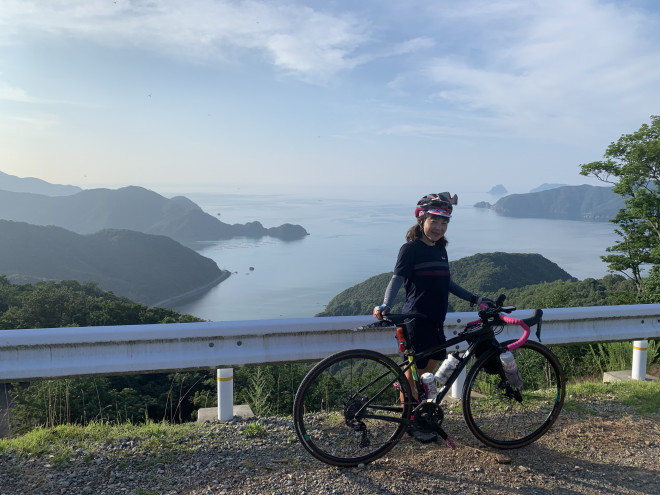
x: 422, y: 267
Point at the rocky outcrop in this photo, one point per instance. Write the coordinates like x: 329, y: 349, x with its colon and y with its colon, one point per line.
x: 132, y: 208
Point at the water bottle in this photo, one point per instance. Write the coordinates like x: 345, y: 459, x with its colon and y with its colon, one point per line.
x: 511, y: 369
x: 428, y: 381
x: 446, y: 369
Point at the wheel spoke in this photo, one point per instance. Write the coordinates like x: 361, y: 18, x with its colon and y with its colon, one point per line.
x: 347, y: 410
x: 502, y: 416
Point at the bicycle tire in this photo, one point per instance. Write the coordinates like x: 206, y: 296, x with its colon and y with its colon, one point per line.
x: 503, y: 417
x: 331, y: 403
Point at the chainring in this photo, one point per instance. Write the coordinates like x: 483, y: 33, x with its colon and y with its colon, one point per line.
x: 428, y: 417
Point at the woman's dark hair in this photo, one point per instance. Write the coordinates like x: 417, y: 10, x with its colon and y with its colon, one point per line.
x: 415, y: 233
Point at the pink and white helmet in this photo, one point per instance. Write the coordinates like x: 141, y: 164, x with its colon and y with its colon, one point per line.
x: 436, y: 204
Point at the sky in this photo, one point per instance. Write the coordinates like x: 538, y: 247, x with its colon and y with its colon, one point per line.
x: 369, y: 96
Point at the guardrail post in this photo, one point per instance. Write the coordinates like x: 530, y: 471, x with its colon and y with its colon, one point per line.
x: 639, y: 359
x: 225, y: 394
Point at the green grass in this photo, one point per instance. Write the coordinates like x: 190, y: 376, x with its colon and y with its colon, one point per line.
x: 62, y: 442
x: 164, y: 440
x: 254, y: 429
x: 646, y: 399
x: 642, y: 397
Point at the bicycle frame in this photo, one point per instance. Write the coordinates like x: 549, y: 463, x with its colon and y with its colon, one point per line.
x: 480, y: 335
x: 480, y: 330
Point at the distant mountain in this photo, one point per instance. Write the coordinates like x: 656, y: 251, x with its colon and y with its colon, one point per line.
x: 145, y: 268
x: 545, y: 187
x: 584, y: 202
x: 488, y: 273
x: 132, y: 208
x: 36, y: 186
x: 498, y: 190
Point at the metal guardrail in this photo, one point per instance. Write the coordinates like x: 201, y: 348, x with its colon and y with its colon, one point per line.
x: 86, y: 351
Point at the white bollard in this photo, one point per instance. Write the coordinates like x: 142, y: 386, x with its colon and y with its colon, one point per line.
x: 225, y: 394
x: 457, y: 386
x: 639, y: 359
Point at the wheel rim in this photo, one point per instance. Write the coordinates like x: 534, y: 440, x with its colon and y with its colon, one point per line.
x: 335, y: 405
x: 504, y: 417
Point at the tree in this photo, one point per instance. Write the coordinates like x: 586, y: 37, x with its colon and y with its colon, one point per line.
x: 651, y: 287
x: 632, y: 165
x: 118, y: 398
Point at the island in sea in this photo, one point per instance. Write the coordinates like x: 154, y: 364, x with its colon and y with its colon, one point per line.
x: 131, y: 241
x: 585, y: 203
x: 132, y: 208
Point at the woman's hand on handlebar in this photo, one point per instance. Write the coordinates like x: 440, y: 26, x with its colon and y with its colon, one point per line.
x: 483, y: 302
x: 381, y: 311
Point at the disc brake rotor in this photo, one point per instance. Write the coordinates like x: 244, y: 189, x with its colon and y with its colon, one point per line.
x: 351, y: 409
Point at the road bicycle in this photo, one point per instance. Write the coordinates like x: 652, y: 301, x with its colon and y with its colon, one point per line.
x: 354, y: 406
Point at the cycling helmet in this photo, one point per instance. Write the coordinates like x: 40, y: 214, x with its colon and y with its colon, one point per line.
x: 436, y: 204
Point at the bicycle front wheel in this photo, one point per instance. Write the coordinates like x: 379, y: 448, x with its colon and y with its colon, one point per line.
x: 350, y: 408
x: 504, y: 417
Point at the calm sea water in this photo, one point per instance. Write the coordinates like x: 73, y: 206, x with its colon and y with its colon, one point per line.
x: 352, y: 240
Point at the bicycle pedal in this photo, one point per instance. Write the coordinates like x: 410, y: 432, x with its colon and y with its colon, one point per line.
x: 447, y: 438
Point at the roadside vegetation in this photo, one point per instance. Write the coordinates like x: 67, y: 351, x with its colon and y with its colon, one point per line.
x: 161, y: 439
x: 268, y: 389
x: 71, y: 412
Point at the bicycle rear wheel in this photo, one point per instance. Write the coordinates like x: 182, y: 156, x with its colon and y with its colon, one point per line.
x: 348, y: 409
x: 507, y: 418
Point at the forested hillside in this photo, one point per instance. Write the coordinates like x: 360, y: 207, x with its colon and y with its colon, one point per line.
x: 145, y: 268
x: 118, y: 398
x: 72, y: 304
x: 125, y: 240
x: 132, y: 208
x: 483, y: 274
x: 489, y: 272
x: 171, y: 397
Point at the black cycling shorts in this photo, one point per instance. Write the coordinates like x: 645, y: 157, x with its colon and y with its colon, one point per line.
x: 425, y: 334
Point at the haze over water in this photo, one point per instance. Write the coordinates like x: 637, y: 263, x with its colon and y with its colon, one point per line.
x: 353, y: 239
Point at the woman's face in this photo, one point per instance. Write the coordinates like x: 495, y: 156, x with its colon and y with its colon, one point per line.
x: 434, y: 228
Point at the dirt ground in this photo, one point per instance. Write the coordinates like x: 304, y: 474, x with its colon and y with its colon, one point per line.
x: 597, y: 446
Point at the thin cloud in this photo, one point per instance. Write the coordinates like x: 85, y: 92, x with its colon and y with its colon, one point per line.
x: 311, y: 43
x: 10, y: 93
x: 410, y: 46
x: 428, y: 130
x: 19, y: 95
x: 560, y: 70
x: 41, y: 122
x: 552, y: 64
